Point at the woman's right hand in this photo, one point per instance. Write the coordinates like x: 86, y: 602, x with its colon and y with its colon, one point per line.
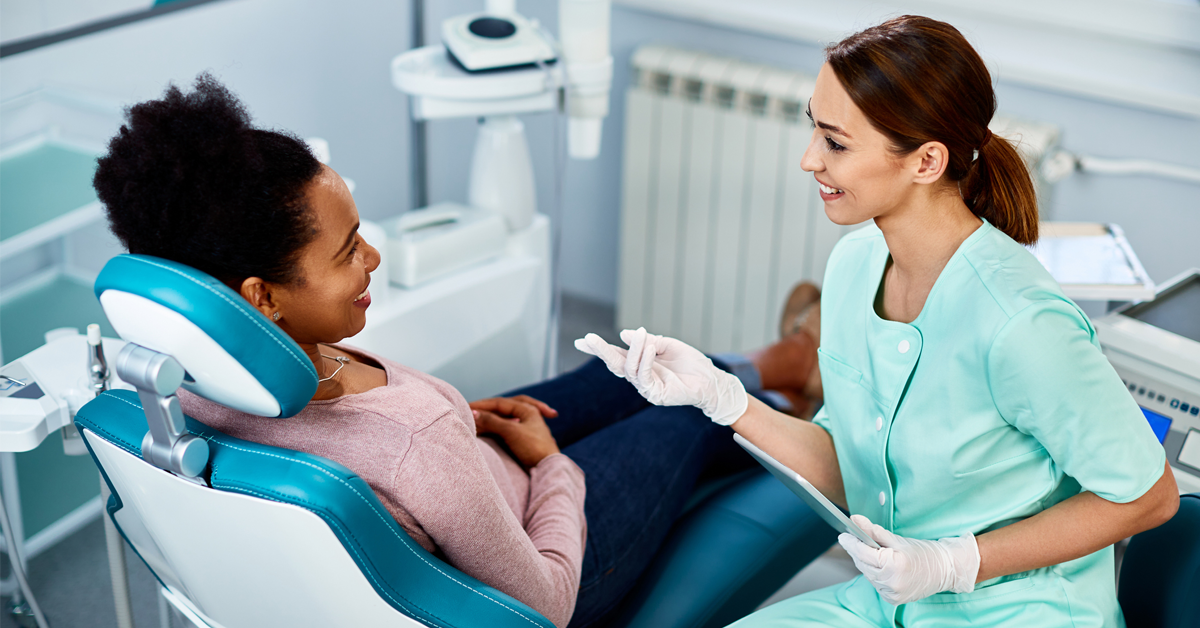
x: 519, y: 421
x: 669, y: 372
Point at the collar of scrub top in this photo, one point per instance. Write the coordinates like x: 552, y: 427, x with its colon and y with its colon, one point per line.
x: 900, y: 344
x: 232, y: 353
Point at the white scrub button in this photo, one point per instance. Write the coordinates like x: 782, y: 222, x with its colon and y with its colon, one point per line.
x: 902, y: 347
x: 878, y: 423
x: 882, y: 498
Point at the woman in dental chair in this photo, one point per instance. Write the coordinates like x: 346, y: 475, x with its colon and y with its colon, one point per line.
x: 495, y: 486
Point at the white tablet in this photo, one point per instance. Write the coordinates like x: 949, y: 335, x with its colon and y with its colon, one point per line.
x: 806, y: 491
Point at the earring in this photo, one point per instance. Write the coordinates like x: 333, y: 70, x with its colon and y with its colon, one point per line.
x: 275, y: 316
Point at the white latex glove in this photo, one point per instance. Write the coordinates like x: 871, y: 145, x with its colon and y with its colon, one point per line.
x: 906, y: 570
x: 668, y: 372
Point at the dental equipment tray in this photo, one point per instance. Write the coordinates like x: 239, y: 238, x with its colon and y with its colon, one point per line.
x: 427, y: 243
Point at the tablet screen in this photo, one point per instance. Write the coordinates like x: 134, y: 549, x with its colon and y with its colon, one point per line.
x: 807, y: 492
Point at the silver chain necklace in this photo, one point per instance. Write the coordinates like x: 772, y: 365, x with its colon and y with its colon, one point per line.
x: 342, y: 362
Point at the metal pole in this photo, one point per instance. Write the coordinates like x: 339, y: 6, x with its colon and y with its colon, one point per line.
x: 116, y: 562
x: 417, y: 132
x: 11, y: 494
x: 164, y: 610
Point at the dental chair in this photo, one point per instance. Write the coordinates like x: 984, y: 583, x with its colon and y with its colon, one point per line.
x: 1160, y: 572
x: 241, y: 534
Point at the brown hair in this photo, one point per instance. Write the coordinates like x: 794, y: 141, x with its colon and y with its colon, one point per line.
x: 918, y: 80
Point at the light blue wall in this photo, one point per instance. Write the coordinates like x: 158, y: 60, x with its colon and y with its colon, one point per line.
x: 1161, y: 218
x: 313, y: 67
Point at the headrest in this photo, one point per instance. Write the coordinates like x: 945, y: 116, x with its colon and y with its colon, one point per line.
x: 233, y: 354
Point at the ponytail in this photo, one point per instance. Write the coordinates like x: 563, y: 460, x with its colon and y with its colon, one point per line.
x: 998, y: 188
x: 918, y: 80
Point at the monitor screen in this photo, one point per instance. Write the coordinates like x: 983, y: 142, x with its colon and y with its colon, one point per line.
x: 1174, y: 311
x: 1159, y: 423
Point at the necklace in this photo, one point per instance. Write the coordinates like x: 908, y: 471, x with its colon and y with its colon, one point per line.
x: 342, y: 362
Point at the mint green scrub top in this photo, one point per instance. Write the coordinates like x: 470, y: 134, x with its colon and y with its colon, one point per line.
x: 993, y: 405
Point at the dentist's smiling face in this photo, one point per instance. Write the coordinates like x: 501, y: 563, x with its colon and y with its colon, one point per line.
x: 330, y: 302
x: 860, y: 178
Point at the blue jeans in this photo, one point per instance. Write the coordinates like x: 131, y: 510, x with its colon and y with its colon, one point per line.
x: 641, y: 464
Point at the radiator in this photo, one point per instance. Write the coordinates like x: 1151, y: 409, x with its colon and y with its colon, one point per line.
x: 718, y: 220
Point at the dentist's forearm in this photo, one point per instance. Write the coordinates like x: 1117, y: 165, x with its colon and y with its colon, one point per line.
x: 1073, y: 528
x: 800, y: 445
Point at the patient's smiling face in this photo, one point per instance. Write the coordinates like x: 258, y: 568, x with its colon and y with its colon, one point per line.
x: 329, y: 302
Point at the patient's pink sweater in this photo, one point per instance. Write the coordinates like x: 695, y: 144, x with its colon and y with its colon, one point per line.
x: 414, y: 442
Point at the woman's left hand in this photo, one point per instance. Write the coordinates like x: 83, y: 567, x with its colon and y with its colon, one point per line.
x: 490, y: 404
x: 906, y: 570
x: 521, y: 422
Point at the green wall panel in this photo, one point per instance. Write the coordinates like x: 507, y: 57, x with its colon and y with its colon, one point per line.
x: 53, y: 483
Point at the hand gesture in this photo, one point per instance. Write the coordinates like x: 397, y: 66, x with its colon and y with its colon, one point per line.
x: 668, y: 372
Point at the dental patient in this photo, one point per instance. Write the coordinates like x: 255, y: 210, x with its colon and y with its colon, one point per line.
x: 497, y: 486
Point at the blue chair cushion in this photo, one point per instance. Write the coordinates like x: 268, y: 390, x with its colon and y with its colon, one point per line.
x: 726, y: 555
x: 411, y: 579
x: 270, y: 355
x: 1160, y: 573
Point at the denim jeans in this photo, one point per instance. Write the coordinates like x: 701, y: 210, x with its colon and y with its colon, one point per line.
x: 641, y: 464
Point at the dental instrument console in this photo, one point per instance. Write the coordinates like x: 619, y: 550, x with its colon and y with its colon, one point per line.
x: 40, y: 391
x: 1155, y: 348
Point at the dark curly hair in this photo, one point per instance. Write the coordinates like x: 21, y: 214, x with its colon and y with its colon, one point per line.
x: 187, y: 178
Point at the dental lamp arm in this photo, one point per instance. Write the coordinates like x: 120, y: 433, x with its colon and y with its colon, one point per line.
x: 584, y: 31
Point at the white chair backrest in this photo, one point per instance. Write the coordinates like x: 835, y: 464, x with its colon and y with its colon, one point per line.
x: 302, y: 574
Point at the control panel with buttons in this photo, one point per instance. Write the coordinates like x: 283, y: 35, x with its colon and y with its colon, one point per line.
x: 1154, y: 346
x: 1148, y: 397
x: 1174, y: 415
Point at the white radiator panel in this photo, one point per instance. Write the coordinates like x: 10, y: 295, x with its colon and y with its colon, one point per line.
x: 718, y: 219
x: 665, y: 220
x: 699, y: 233
x: 639, y: 113
x: 726, y: 250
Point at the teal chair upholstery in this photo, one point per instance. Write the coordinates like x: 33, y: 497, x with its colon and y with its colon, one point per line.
x: 1160, y: 572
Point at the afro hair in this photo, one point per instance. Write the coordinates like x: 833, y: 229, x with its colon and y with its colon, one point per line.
x: 187, y: 178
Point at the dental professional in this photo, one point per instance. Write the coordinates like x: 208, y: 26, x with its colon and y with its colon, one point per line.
x: 971, y: 424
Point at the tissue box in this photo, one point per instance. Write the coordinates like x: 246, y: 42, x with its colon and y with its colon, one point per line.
x: 427, y: 243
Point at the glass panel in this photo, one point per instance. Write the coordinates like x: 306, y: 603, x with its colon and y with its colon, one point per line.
x: 41, y: 184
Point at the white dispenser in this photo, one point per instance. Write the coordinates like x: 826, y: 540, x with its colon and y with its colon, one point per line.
x: 427, y: 243
x: 502, y: 172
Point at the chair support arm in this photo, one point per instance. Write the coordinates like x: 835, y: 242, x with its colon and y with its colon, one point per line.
x: 167, y: 445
